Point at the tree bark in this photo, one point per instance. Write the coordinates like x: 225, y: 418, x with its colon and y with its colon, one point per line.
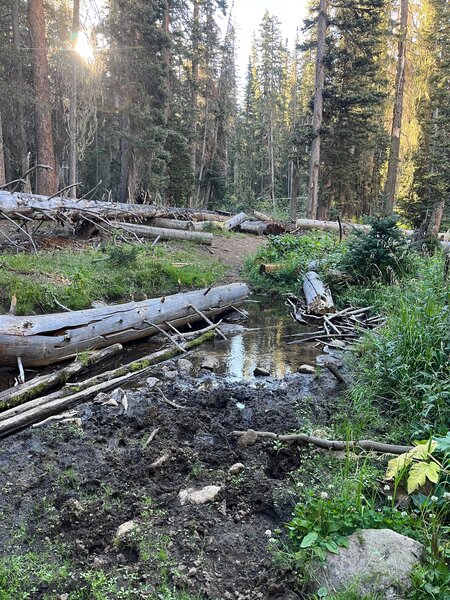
x: 46, y: 179
x: 73, y: 126
x: 43, y: 208
x: 2, y: 155
x: 235, y: 221
x: 394, y: 152
x: 165, y: 234
x: 318, y: 298
x: 194, y: 90
x: 178, y: 224
x: 46, y: 339
x: 25, y: 392
x: 314, y: 168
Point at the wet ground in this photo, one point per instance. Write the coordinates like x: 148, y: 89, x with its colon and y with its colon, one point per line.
x: 66, y: 489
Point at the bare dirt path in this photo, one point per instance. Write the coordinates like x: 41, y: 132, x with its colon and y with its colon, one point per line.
x: 232, y: 251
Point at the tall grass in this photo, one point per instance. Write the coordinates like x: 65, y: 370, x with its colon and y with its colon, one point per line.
x: 404, y: 368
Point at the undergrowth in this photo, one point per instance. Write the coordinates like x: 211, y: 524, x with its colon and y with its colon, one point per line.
x: 77, y: 278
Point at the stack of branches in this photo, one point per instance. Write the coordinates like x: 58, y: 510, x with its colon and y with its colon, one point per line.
x: 336, y: 329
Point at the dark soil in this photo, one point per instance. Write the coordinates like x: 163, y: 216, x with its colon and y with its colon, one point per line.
x: 219, y: 550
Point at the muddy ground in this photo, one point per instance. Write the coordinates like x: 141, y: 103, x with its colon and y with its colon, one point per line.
x: 65, y: 490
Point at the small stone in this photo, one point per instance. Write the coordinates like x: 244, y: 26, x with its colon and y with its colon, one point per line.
x: 185, y: 367
x: 192, y: 571
x: 100, y: 562
x: 236, y: 469
x: 152, y: 382
x: 248, y: 439
x: 64, y: 597
x: 202, y: 496
x: 125, y: 530
x: 306, y: 370
x: 100, y: 398
x: 171, y: 375
x: 210, y: 363
x: 260, y: 372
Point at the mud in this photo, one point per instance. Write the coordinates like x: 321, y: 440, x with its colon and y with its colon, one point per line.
x: 219, y: 550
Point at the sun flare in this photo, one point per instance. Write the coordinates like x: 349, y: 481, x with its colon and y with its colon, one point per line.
x: 83, y: 47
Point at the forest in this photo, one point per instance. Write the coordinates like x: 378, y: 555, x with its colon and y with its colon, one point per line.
x: 224, y: 300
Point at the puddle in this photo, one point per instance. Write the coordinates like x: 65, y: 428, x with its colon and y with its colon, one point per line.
x: 261, y: 344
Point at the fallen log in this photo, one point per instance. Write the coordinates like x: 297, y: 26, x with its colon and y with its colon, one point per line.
x: 33, y: 206
x: 319, y: 300
x: 140, y: 366
x: 256, y: 227
x: 41, y: 384
x: 262, y: 217
x: 46, y: 339
x: 179, y: 224
x: 369, y: 445
x: 164, y: 234
x: 235, y: 221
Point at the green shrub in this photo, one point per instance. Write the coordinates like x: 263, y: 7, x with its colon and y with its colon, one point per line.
x: 295, y: 253
x: 383, y: 254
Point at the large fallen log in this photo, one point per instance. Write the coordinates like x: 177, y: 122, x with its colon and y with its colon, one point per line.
x: 179, y: 224
x: 165, y: 234
x: 33, y: 206
x: 138, y: 366
x: 319, y: 300
x: 235, y: 221
x: 46, y: 339
x: 263, y: 228
x: 41, y: 384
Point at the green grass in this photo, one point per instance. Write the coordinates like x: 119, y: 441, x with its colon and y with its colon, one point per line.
x: 403, y: 370
x: 295, y: 253
x: 77, y: 278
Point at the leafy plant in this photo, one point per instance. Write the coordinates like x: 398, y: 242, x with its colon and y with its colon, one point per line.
x: 417, y: 466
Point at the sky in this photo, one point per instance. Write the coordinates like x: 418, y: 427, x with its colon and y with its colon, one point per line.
x: 248, y: 15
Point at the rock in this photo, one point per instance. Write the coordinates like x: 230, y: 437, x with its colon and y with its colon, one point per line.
x: 236, y: 469
x: 152, y: 382
x: 260, y: 372
x: 185, y: 367
x: 125, y: 531
x: 100, y: 562
x: 306, y: 370
x: 170, y: 375
x: 101, y: 398
x: 202, y: 496
x: 248, y: 439
x: 64, y: 597
x: 378, y: 561
x: 71, y: 511
x: 210, y: 363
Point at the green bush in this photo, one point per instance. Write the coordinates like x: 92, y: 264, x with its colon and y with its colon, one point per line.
x: 383, y: 254
x: 295, y: 253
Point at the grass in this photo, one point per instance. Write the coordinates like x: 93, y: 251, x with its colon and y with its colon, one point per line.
x: 77, y: 278
x: 403, y: 370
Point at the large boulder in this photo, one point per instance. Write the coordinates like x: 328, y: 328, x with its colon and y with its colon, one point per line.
x: 377, y: 561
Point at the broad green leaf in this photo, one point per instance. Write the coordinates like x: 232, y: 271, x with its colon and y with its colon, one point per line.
x: 309, y: 540
x: 419, y: 452
x: 443, y: 443
x: 343, y: 541
x: 322, y: 592
x: 320, y: 553
x: 332, y: 547
x: 420, y: 472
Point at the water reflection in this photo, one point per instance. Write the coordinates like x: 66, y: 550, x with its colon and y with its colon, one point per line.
x: 263, y: 344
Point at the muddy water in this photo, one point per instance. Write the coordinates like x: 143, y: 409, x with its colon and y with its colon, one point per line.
x: 261, y: 342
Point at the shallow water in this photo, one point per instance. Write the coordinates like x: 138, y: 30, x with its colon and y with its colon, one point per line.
x: 261, y: 344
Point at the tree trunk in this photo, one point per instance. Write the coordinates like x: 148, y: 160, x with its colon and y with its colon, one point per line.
x: 165, y: 234
x: 46, y: 339
x: 318, y: 298
x: 176, y: 224
x: 194, y: 89
x: 46, y: 179
x: 314, y: 168
x: 394, y: 152
x: 434, y: 223
x: 42, y: 208
x: 235, y: 221
x: 125, y: 158
x: 2, y: 155
x: 73, y: 132
x: 20, y: 120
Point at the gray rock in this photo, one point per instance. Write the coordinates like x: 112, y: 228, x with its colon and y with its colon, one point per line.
x: 378, y: 561
x: 236, y: 469
x: 248, y: 439
x: 125, y: 532
x: 306, y: 370
x: 202, y: 496
x: 260, y: 372
x: 152, y: 382
x: 210, y: 363
x: 185, y: 367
